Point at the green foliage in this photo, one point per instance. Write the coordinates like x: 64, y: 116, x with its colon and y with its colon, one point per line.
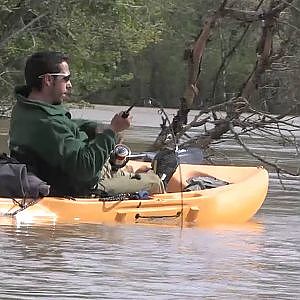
x: 126, y: 50
x: 97, y: 35
x: 164, y: 72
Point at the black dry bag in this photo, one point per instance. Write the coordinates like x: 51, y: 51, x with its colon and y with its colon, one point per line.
x: 17, y: 182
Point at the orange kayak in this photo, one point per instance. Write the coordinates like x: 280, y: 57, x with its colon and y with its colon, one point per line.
x: 234, y: 203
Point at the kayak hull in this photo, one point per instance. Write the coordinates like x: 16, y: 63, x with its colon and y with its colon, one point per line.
x: 234, y: 203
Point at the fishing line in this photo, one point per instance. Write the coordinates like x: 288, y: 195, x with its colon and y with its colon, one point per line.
x: 153, y: 101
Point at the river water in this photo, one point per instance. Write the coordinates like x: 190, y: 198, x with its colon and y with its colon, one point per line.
x: 258, y: 260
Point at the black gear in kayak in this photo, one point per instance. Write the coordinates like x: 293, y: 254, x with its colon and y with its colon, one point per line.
x: 165, y: 164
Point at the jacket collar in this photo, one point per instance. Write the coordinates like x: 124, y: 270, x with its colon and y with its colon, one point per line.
x: 50, y: 109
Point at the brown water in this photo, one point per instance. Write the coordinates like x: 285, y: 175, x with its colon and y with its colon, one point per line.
x: 259, y: 260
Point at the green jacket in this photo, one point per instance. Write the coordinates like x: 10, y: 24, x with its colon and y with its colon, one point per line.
x: 66, y: 153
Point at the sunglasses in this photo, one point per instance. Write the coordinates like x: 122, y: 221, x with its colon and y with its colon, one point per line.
x: 65, y: 77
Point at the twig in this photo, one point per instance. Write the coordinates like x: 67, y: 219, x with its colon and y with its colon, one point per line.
x: 275, y: 166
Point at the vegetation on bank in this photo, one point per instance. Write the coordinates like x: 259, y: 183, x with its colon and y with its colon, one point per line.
x: 97, y: 35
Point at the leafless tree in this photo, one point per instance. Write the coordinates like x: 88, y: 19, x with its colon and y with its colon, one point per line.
x: 240, y: 117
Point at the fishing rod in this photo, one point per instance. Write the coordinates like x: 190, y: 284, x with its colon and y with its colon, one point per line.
x: 171, y: 165
x: 151, y: 101
x: 125, y: 113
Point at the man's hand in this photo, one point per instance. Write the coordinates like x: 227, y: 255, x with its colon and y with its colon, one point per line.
x: 119, y: 123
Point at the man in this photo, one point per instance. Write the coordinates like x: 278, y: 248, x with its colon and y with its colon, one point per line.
x: 66, y: 153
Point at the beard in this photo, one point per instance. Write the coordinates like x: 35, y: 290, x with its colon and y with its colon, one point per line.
x: 57, y: 102
x: 57, y: 95
x: 59, y: 99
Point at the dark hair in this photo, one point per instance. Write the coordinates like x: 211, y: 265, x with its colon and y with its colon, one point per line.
x: 41, y: 63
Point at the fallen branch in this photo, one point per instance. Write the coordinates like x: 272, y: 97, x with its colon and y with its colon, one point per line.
x: 212, y: 125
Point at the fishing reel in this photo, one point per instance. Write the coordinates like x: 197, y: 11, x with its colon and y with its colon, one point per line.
x: 119, y: 156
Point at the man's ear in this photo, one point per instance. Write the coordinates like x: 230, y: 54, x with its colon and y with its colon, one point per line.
x: 47, y: 80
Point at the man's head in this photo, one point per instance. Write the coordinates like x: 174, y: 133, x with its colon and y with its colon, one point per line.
x: 47, y: 74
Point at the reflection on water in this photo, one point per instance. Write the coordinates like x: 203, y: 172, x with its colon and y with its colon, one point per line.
x: 259, y: 260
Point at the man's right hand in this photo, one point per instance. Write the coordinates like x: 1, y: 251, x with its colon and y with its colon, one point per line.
x: 119, y: 123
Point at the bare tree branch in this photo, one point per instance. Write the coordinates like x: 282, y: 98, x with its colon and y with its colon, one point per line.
x: 212, y: 125
x: 17, y: 32
x: 258, y: 157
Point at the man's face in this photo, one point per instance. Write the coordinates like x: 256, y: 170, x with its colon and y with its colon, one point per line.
x: 60, y: 85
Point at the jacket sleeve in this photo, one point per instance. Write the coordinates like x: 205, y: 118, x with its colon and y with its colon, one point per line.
x: 74, y: 153
x: 89, y: 127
